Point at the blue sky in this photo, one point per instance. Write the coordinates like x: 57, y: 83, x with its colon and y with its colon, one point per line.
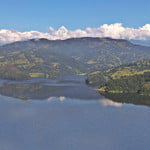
x: 40, y: 15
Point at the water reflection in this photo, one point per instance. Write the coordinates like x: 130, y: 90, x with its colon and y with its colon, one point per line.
x: 62, y: 123
x: 73, y: 87
x: 129, y: 98
x: 70, y: 86
x: 107, y: 102
x: 72, y: 125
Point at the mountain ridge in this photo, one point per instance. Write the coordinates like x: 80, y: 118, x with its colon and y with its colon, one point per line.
x: 130, y: 78
x: 52, y: 58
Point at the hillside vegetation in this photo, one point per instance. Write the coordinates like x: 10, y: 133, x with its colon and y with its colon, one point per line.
x: 45, y: 58
x: 131, y: 78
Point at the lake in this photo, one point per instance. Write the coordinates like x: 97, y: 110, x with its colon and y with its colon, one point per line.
x: 66, y: 114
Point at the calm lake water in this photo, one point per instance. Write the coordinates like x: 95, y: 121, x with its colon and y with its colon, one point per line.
x: 66, y: 114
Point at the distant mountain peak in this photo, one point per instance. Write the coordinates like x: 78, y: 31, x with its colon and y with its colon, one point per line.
x: 63, y: 29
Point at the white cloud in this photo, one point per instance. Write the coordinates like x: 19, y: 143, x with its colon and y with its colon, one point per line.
x: 116, y: 31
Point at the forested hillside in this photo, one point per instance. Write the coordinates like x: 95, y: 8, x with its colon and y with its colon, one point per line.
x: 45, y: 58
x: 131, y: 78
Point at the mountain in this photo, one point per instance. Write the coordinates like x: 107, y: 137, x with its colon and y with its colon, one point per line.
x: 141, y: 42
x: 131, y: 78
x: 46, y: 58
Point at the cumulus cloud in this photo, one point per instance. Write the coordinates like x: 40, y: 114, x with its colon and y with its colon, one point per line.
x: 116, y: 31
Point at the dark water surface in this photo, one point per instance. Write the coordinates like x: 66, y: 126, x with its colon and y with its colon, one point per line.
x: 71, y: 116
x: 68, y: 86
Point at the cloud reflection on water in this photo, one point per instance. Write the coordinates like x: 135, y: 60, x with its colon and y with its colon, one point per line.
x: 107, y: 102
x: 60, y: 98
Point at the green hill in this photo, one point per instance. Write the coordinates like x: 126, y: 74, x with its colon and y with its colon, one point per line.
x: 45, y: 58
x: 131, y: 78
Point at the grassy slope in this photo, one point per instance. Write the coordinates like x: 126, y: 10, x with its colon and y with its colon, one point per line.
x: 132, y: 78
x: 44, y: 58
